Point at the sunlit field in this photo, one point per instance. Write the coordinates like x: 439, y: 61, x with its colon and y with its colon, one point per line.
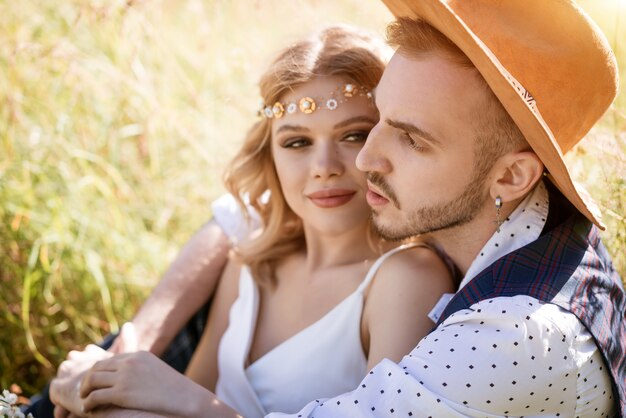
x: 116, y: 121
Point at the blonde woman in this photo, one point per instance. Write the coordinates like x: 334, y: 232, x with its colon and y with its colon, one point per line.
x: 312, y: 301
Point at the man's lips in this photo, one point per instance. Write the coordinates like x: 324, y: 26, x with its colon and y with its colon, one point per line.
x: 331, y: 198
x: 374, y: 197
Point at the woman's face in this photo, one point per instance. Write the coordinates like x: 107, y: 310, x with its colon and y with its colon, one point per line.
x: 314, y: 155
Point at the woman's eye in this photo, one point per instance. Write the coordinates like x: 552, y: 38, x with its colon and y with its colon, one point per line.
x: 296, y: 143
x: 358, y: 136
x: 412, y: 143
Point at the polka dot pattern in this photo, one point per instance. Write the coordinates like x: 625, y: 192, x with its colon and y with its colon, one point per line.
x: 520, y: 363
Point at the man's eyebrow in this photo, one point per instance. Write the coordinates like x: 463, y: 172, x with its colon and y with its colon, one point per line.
x: 410, y: 128
x: 296, y: 128
x: 355, y: 119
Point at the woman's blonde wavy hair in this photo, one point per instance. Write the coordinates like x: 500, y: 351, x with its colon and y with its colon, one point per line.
x: 335, y: 51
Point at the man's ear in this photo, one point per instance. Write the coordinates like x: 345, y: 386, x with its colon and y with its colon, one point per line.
x: 515, y: 175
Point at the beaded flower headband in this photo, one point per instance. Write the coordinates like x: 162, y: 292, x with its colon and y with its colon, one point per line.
x: 309, y: 105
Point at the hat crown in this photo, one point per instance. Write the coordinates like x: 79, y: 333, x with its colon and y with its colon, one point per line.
x: 548, y: 63
x: 556, y: 52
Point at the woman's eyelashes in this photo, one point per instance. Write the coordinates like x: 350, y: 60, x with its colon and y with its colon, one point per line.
x: 297, y: 142
x: 358, y: 136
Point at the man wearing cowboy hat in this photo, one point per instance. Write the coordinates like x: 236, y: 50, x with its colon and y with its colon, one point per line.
x: 477, y: 107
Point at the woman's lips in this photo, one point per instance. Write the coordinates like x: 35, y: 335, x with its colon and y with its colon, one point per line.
x: 331, y: 198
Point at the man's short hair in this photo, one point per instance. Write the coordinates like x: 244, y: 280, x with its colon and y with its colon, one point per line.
x: 496, y: 133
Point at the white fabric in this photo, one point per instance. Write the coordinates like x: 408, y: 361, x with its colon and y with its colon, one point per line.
x: 437, y: 310
x: 229, y: 217
x: 507, y: 356
x: 322, y: 360
x: 522, y: 227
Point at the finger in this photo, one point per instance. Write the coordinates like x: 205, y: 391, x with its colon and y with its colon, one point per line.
x: 64, y: 368
x: 106, y: 365
x: 96, y: 380
x: 94, y: 349
x: 60, y: 412
x: 101, y: 397
x: 74, y: 354
x: 53, y: 390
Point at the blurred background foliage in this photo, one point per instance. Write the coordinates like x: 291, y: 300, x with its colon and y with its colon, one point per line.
x: 116, y: 120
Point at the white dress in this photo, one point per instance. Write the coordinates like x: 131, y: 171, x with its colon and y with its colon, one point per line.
x: 321, y: 361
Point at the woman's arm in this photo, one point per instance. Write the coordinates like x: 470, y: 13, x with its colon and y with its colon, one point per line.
x: 141, y: 381
x: 124, y: 413
x: 202, y: 368
x: 221, y: 411
x: 395, y: 317
x: 134, y: 385
x: 186, y: 285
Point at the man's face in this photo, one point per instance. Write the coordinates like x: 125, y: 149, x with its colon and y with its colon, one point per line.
x: 420, y: 157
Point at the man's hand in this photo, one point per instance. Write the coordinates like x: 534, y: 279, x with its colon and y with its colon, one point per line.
x: 64, y: 387
x: 138, y: 380
x: 145, y: 384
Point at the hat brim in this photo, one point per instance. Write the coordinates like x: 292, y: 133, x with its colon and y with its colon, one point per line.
x: 529, y: 121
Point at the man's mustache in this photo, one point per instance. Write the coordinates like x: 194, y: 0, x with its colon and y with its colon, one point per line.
x: 379, y: 181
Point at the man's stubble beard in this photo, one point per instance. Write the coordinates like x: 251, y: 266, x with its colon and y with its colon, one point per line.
x: 453, y: 213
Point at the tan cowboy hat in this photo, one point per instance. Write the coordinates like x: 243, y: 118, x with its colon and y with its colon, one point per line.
x: 546, y: 61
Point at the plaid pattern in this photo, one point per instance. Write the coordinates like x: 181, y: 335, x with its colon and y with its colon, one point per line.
x: 569, y: 267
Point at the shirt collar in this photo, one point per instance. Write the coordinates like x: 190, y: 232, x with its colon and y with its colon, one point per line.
x: 521, y: 228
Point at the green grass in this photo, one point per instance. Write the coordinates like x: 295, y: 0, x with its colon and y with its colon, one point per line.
x: 116, y: 120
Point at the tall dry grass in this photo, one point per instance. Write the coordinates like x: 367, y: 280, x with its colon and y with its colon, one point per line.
x: 116, y: 119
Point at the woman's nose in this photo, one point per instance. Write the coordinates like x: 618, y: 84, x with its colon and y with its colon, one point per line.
x: 328, y: 161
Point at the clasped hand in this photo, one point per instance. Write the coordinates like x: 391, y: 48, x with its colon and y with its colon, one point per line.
x: 139, y: 381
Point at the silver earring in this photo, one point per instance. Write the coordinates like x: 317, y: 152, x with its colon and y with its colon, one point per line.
x: 498, y: 222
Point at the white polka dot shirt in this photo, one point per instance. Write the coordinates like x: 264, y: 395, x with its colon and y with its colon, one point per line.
x: 502, y: 357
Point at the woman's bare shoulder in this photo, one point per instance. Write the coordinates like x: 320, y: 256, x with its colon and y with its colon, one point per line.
x: 413, y: 267
x: 406, y: 287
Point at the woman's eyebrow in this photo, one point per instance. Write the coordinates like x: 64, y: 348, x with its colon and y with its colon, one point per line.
x: 296, y: 128
x: 355, y: 119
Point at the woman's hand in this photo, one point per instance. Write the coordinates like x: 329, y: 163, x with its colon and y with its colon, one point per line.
x: 144, y: 383
x: 138, y: 381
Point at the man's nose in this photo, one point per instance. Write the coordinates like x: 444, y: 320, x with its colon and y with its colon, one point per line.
x: 372, y: 158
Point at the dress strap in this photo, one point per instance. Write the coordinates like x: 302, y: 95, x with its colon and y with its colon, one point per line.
x: 374, y: 269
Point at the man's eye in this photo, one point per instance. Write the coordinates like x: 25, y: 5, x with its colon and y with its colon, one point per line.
x: 412, y: 143
x: 296, y: 143
x: 357, y: 136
